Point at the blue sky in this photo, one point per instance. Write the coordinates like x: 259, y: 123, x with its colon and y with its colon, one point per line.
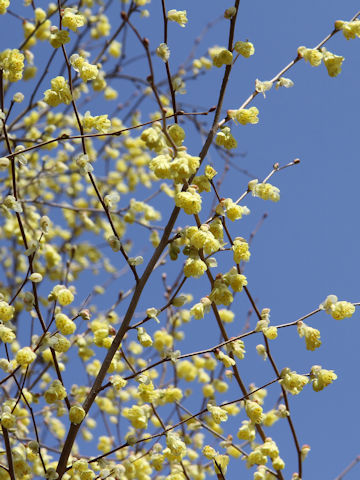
x: 308, y: 247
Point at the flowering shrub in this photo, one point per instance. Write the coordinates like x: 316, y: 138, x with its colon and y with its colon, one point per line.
x: 98, y: 377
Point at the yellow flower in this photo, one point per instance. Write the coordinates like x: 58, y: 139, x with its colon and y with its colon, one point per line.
x: 189, y: 201
x: 72, y: 20
x: 209, y: 452
x: 349, y: 29
x: 321, y: 378
x: 194, y: 267
x: 59, y: 37
x: 163, y: 51
x: 3, y: 6
x: 76, y: 414
x: 177, y: 134
x: 246, y: 431
x: 262, y: 87
x: 178, y: 16
x: 6, y: 311
x: 218, y: 414
x: 118, y: 382
x: 245, y: 115
x: 220, y: 294
x: 144, y: 338
x: 221, y: 56
x: 342, y: 310
x: 115, y: 49
x: 59, y: 92
x: 138, y: 416
x: 240, y: 250
x: 338, y: 310
x: 186, y: 370
x: 176, y: 445
x: 270, y: 333
x: 278, y: 463
x: 86, y: 70
x: 227, y: 316
x: 12, y: 63
x: 64, y: 324
x: 246, y: 49
x: 237, y: 347
x: 332, y: 62
x: 292, y: 381
x: 312, y: 336
x: 225, y: 139
x: 266, y: 191
x: 25, y: 356
x: 254, y: 411
x: 311, y: 55
x: 65, y: 297
x: 6, y: 334
x: 225, y: 359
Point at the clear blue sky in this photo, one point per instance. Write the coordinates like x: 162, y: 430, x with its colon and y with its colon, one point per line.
x: 308, y: 247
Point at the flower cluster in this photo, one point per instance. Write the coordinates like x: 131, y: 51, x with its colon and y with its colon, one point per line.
x: 332, y: 62
x: 59, y: 92
x: 225, y: 139
x: 244, y: 115
x: 178, y: 169
x: 205, y: 237
x: 178, y: 16
x: 311, y: 55
x: 266, y: 191
x: 321, y: 378
x: 189, y: 201
x: 71, y: 19
x: 350, y: 30
x: 254, y: 411
x: 246, y: 49
x: 12, y: 63
x: 232, y: 210
x: 101, y: 123
x: 60, y: 215
x: 163, y: 51
x: 58, y: 37
x: 314, y: 57
x: 25, y: 356
x: 86, y: 70
x: 259, y: 455
x: 241, y: 250
x: 221, y: 56
x: 292, y: 381
x: 337, y: 309
x: 3, y: 6
x: 311, y: 335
